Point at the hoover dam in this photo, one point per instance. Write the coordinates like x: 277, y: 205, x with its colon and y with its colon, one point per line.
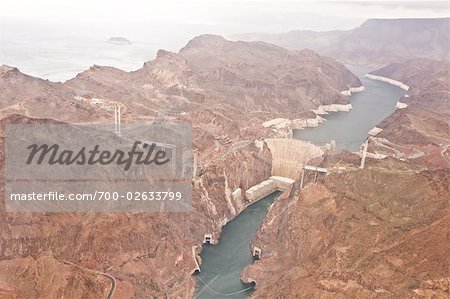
x: 223, y: 262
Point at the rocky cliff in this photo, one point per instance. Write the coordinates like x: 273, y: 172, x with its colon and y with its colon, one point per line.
x: 356, y: 235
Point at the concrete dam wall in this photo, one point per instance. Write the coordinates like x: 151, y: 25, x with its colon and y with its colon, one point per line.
x: 289, y: 156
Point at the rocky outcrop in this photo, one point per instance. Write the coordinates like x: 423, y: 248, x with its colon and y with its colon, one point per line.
x: 118, y: 40
x: 243, y: 75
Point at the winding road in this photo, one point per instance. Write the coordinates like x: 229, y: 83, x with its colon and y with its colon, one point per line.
x: 111, y: 278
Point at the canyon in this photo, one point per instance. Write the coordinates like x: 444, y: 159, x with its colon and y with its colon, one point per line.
x: 381, y: 231
x: 226, y: 91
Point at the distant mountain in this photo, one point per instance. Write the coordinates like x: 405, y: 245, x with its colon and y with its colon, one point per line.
x: 375, y: 42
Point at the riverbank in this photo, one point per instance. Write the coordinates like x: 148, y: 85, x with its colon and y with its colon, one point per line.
x: 350, y: 129
x: 387, y: 80
x: 282, y: 127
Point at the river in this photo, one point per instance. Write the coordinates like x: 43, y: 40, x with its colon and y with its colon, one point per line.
x: 223, y: 263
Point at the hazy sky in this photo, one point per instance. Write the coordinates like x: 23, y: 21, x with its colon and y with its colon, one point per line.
x: 221, y: 16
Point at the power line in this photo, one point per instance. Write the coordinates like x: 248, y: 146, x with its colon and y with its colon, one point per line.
x: 224, y: 294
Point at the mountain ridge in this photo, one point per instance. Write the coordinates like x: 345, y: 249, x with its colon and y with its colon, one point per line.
x: 376, y: 42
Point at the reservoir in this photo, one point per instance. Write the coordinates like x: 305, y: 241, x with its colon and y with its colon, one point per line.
x: 349, y: 129
x: 223, y: 263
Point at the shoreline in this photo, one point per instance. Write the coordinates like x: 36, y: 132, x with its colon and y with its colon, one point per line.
x: 387, y: 80
x: 285, y: 126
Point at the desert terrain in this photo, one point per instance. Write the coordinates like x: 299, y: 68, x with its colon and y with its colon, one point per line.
x: 380, y: 232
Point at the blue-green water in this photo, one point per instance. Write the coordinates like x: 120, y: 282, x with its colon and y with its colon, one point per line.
x: 223, y: 263
x: 349, y: 129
